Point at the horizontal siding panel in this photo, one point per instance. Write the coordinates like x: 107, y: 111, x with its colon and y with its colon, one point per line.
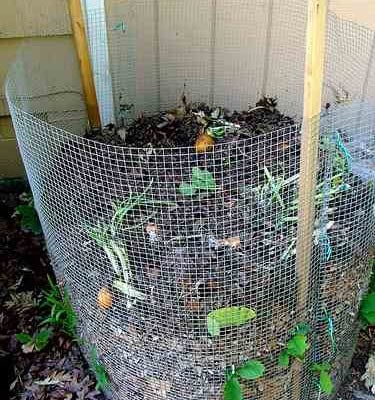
x: 25, y: 18
x: 10, y: 160
x: 6, y: 128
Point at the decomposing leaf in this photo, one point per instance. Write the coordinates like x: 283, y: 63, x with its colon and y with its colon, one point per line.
x: 129, y: 290
x: 54, y: 379
x: 104, y: 298
x: 204, y: 143
x: 232, y: 242
x: 152, y: 230
x: 192, y: 304
x: 21, y: 302
x: 227, y: 317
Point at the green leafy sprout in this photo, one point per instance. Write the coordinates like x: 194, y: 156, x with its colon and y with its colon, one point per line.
x: 36, y: 342
x: 250, y: 370
x: 97, y: 368
x: 367, y: 309
x: 296, y: 346
x: 29, y: 219
x: 201, y: 179
x: 106, y: 237
x: 325, y: 379
x: 227, y: 317
x: 61, y: 312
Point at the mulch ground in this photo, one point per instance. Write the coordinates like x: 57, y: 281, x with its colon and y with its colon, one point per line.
x: 59, y: 371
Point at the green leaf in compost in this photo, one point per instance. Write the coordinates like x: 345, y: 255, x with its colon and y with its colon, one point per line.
x: 297, y: 346
x: 302, y: 328
x: 232, y: 389
x: 42, y: 339
x: 202, y: 179
x: 213, y: 326
x: 29, y: 218
x: 325, y: 382
x: 367, y: 311
x: 187, y: 190
x: 228, y: 317
x: 251, y: 370
x: 24, y: 338
x: 325, y: 366
x: 283, y: 360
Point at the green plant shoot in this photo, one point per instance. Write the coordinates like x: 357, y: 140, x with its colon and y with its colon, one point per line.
x: 296, y: 346
x: 227, y: 317
x: 367, y: 310
x: 325, y: 379
x: 106, y: 237
x: 250, y: 370
x: 201, y: 179
x: 29, y: 219
x: 61, y: 313
x: 36, y: 342
x: 97, y: 368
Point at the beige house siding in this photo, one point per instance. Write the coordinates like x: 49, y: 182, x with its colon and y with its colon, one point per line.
x: 360, y: 11
x: 39, y: 22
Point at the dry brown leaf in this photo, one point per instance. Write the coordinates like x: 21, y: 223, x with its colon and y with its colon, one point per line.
x: 55, y: 378
x: 233, y: 242
x: 104, y: 298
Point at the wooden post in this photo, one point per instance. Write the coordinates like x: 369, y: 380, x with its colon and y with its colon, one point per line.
x: 78, y: 28
x: 314, y: 69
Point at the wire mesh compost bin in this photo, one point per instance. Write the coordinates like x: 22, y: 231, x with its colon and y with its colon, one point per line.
x: 175, y: 229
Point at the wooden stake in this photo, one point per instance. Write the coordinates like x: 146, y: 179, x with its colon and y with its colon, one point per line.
x: 314, y: 69
x: 80, y: 39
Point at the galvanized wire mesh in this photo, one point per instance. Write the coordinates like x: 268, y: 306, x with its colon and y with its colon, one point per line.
x: 146, y: 262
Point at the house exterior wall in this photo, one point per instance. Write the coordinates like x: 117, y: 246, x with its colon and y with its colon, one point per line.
x: 39, y: 22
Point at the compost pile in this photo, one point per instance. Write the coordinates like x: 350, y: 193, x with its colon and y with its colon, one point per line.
x: 187, y: 219
x: 182, y: 126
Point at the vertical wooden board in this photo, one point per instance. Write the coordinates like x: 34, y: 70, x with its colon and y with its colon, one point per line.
x: 185, y: 50
x: 83, y: 55
x: 132, y: 45
x: 287, y: 55
x: 25, y: 18
x: 240, y: 51
x: 348, y: 53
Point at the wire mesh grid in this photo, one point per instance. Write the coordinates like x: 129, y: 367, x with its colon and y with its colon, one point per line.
x: 154, y: 244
